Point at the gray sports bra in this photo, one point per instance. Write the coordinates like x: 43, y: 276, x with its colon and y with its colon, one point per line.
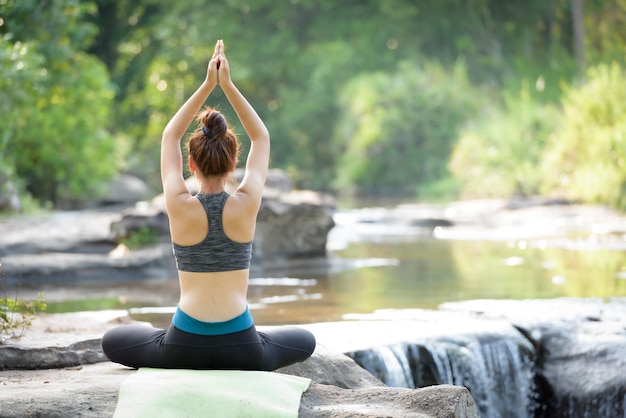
x: 216, y: 252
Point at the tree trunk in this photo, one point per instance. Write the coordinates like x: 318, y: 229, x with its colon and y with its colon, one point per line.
x: 579, y: 33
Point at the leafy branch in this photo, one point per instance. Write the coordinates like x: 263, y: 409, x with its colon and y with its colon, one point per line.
x: 16, y: 315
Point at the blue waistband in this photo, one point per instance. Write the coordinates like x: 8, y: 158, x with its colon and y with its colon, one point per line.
x: 186, y: 323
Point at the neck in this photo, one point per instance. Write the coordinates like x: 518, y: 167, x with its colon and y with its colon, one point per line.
x: 211, y: 185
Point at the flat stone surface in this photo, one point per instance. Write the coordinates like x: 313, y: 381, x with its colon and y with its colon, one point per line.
x: 91, y: 390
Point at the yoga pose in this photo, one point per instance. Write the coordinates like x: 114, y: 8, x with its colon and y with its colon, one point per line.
x: 212, y: 234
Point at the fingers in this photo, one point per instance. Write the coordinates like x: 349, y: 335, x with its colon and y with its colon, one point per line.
x: 216, y: 51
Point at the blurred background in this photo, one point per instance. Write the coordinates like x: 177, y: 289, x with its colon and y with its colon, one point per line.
x: 445, y: 99
x: 375, y: 102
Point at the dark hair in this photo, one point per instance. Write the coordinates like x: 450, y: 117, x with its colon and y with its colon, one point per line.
x: 214, y: 147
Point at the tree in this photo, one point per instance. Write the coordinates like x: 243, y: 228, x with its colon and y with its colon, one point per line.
x: 21, y: 82
x: 57, y: 143
x: 578, y: 20
x: 398, y: 129
x: 500, y: 153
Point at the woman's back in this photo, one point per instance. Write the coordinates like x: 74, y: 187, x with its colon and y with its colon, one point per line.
x: 212, y: 243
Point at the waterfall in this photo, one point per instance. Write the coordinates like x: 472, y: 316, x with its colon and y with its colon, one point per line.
x: 497, y: 369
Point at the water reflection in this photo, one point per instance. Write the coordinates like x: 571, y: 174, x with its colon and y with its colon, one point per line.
x: 400, y: 266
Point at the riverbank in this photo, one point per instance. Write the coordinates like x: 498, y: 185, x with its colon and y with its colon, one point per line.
x: 84, y: 384
x: 421, y: 254
x: 556, y: 357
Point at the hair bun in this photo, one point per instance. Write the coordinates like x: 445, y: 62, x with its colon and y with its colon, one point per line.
x: 214, y: 124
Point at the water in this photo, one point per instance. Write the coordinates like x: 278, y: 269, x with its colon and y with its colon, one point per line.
x: 375, y: 266
x: 380, y: 266
x: 496, y: 367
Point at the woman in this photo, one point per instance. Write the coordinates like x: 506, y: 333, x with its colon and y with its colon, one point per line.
x: 212, y: 236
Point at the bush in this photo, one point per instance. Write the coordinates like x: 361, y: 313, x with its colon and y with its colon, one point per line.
x: 63, y: 150
x: 500, y: 155
x: 16, y: 315
x: 54, y: 116
x: 397, y: 130
x: 586, y: 158
x: 142, y: 237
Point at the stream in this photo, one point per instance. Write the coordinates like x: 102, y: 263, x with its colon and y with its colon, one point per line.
x: 377, y: 266
x: 374, y: 267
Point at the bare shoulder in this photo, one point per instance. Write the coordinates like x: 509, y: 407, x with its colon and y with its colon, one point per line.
x: 239, y: 217
x: 178, y: 205
x: 188, y: 221
x: 241, y: 204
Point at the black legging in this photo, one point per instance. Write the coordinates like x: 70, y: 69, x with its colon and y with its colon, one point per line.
x: 144, y: 346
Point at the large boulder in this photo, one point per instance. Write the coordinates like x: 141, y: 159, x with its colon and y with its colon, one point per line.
x: 87, y: 386
x: 293, y: 225
x: 124, y: 189
x: 581, y: 351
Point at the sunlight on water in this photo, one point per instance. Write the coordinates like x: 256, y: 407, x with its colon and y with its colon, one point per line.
x: 397, y: 265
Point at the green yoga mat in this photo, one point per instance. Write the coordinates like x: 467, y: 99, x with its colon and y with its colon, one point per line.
x: 174, y: 393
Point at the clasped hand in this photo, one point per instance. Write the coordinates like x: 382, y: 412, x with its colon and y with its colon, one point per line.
x: 218, y: 71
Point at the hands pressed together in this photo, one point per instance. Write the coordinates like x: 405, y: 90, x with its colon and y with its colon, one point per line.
x: 218, y: 71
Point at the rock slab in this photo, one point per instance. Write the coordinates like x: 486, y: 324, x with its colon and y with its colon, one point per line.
x: 83, y: 385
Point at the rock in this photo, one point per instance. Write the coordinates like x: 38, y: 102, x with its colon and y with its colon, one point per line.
x: 124, y: 189
x: 84, y: 352
x: 556, y: 358
x: 88, y: 391
x: 340, y: 388
x: 329, y: 367
x: 581, y: 351
x: 276, y: 180
x: 420, y: 348
x: 60, y: 340
x: 289, y: 224
x: 583, y: 370
x: 84, y: 244
x: 434, y: 401
x: 293, y: 225
x: 141, y: 216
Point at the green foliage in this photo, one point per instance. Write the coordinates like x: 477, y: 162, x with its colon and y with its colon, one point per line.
x: 143, y: 237
x: 586, y: 158
x: 20, y: 84
x: 88, y: 85
x: 500, y: 154
x: 55, y: 142
x: 291, y: 124
x: 397, y: 130
x: 16, y: 315
x: 62, y: 149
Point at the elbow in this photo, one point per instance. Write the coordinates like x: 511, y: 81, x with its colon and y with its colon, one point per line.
x: 168, y: 136
x: 263, y: 136
x: 260, y: 139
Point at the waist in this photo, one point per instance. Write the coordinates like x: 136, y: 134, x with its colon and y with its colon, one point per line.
x: 187, y: 323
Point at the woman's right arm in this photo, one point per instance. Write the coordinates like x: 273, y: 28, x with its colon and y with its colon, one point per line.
x: 174, y: 187
x: 259, y: 155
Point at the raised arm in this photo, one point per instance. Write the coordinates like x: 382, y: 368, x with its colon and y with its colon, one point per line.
x: 258, y: 158
x: 171, y: 154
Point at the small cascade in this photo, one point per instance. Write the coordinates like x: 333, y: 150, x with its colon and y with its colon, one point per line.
x: 497, y: 370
